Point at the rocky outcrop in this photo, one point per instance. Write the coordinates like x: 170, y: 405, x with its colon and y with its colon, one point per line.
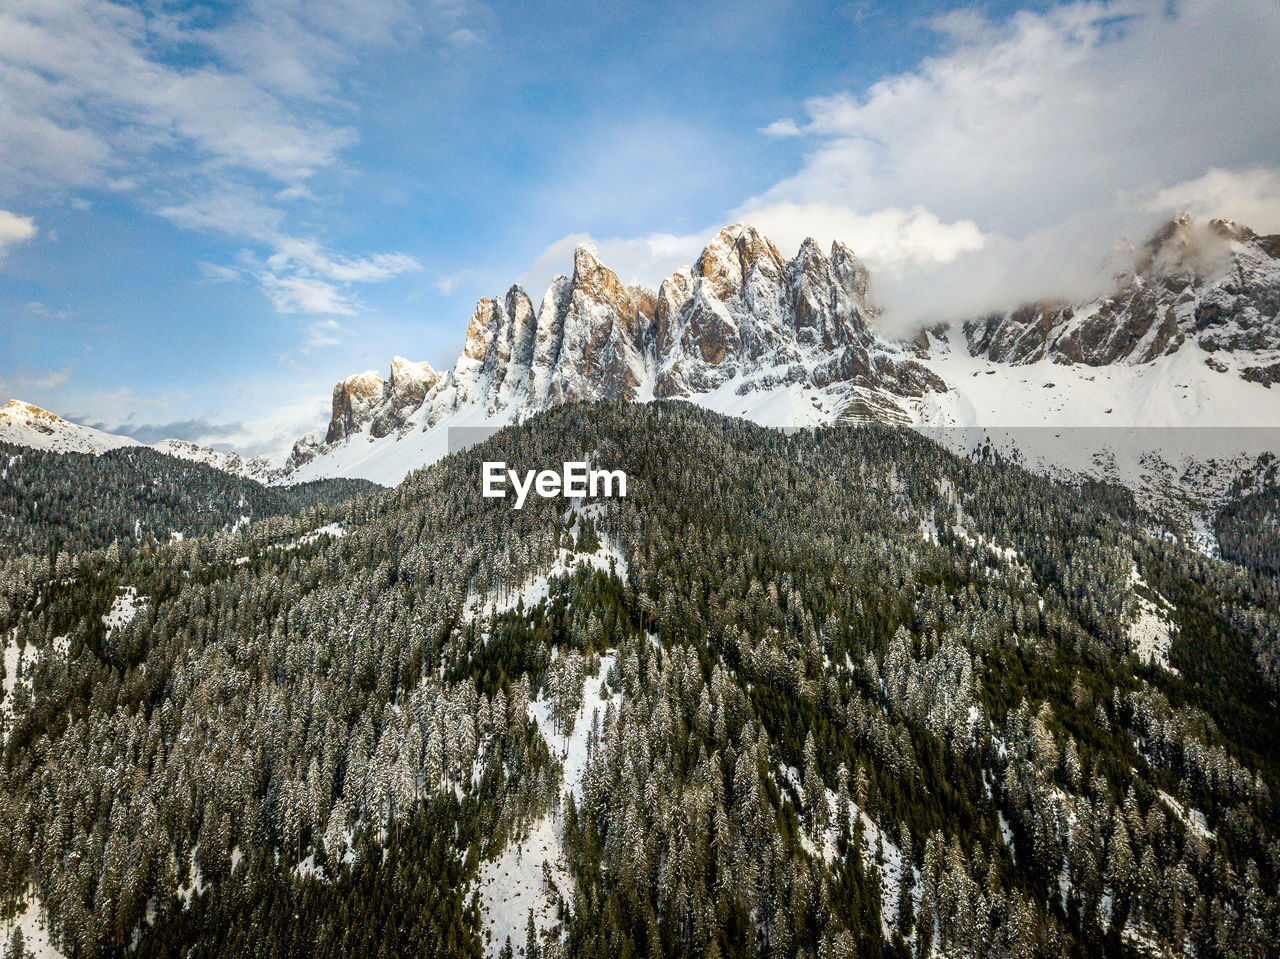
x: 405, y: 391
x: 745, y: 319
x: 599, y: 332
x: 355, y: 402
x: 745, y: 312
x: 1217, y: 284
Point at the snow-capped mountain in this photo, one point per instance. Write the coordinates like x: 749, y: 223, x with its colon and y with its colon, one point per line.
x: 25, y: 424
x: 794, y: 338
x: 1188, y: 338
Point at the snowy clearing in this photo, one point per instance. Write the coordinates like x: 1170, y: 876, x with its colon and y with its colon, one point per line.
x: 517, y: 879
x: 1151, y: 634
x: 516, y: 882
x: 123, y: 610
x: 34, y: 935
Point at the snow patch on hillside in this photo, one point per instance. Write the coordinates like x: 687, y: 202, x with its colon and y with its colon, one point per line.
x: 332, y: 531
x: 537, y: 587
x: 1177, y: 390
x: 517, y: 881
x: 123, y: 610
x: 35, y: 936
x: 571, y: 748
x: 1151, y: 634
x: 531, y: 872
x: 879, y: 854
x: 1192, y: 818
x: 27, y: 657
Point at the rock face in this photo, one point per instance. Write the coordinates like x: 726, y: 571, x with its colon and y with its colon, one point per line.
x: 355, y: 401
x: 404, y: 393
x: 1218, y: 285
x: 742, y: 315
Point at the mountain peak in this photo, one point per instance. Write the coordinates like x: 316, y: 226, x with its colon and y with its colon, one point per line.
x: 585, y: 258
x: 26, y: 424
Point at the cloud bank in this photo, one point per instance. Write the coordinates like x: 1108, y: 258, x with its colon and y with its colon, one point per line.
x: 1026, y: 157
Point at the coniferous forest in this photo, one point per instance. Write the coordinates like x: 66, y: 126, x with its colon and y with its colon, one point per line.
x: 829, y: 694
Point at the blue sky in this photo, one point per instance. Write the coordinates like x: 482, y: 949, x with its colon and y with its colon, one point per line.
x: 209, y: 213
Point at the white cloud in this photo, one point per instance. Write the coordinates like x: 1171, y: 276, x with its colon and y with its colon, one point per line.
x: 271, y: 434
x: 301, y: 294
x: 207, y: 126
x: 446, y: 284
x: 1022, y: 160
x: 14, y: 229
x: 891, y: 240
x: 786, y: 127
x: 1024, y: 123
x: 1028, y: 148
x: 1250, y: 196
x: 307, y: 255
x: 298, y: 275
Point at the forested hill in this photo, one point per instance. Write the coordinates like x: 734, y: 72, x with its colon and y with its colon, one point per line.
x: 831, y: 694
x: 71, y: 502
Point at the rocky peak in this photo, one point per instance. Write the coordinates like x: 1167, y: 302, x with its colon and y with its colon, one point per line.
x: 742, y: 311
x: 729, y: 259
x: 405, y: 391
x: 483, y: 329
x: 355, y: 400
x: 1216, y: 282
x: 410, y: 381
x: 851, y: 275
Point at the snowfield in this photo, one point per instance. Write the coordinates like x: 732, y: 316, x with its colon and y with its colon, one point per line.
x: 34, y: 935
x: 515, y: 883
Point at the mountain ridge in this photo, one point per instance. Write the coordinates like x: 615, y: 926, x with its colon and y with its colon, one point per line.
x: 1189, y: 336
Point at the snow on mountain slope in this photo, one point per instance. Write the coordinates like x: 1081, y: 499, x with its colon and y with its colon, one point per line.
x: 1175, y: 430
x: 388, y: 460
x: 792, y: 336
x: 257, y: 468
x: 25, y: 424
x: 1173, y: 390
x: 1067, y: 419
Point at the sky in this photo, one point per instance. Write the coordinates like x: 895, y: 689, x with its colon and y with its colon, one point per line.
x: 212, y: 212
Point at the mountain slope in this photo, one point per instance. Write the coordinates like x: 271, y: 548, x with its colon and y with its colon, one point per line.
x: 257, y: 468
x: 824, y: 694
x: 65, y: 502
x: 24, y: 424
x: 1217, y: 284
x: 793, y: 335
x: 27, y: 425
